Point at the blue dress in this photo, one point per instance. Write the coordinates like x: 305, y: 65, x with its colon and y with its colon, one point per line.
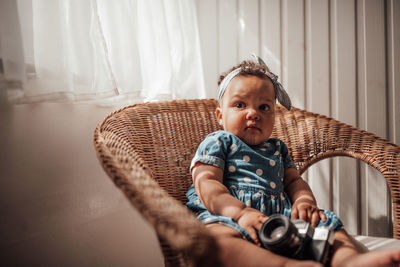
x: 252, y: 174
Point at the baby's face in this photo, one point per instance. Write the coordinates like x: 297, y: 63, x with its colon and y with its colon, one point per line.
x: 247, y: 109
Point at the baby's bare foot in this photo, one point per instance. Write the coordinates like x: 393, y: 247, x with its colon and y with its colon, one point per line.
x: 375, y: 258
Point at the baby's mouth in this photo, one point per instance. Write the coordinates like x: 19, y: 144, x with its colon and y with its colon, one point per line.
x: 252, y: 127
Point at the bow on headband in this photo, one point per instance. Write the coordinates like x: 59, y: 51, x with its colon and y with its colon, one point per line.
x: 280, y: 92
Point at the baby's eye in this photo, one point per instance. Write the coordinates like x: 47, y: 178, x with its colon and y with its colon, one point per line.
x: 240, y: 105
x: 264, y: 107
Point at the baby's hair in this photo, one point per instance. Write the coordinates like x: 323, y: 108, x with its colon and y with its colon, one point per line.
x: 247, y: 68
x: 260, y: 70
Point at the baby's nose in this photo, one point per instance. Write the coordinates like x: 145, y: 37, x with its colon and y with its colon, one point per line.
x: 252, y: 114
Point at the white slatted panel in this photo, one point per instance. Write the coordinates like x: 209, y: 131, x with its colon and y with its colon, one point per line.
x: 333, y: 58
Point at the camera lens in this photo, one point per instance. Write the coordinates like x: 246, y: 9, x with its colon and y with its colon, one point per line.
x: 280, y: 236
x: 277, y: 233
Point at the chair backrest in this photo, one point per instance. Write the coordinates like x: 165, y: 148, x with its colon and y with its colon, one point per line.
x: 163, y: 137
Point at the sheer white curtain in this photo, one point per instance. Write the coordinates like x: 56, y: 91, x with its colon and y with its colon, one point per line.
x: 84, y: 49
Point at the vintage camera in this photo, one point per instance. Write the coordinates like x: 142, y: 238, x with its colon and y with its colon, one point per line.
x: 296, y: 239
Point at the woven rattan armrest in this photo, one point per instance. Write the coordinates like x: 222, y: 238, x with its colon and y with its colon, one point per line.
x: 175, y: 226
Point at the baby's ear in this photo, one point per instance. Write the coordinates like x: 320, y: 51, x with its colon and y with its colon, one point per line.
x: 218, y: 114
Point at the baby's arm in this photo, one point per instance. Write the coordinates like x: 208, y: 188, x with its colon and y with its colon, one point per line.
x: 304, y: 204
x: 217, y: 199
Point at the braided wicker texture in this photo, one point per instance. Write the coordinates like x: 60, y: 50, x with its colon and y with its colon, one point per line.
x: 146, y: 149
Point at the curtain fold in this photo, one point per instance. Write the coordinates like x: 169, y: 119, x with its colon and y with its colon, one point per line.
x: 87, y: 49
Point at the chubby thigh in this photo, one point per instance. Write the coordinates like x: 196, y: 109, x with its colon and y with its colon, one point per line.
x: 234, y: 250
x: 223, y: 231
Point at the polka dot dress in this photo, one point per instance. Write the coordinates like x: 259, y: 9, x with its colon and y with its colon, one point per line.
x: 252, y: 174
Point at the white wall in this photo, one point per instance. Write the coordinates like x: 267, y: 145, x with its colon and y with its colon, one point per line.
x: 335, y: 57
x: 57, y: 205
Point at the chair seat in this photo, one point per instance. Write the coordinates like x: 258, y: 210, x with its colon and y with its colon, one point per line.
x: 378, y: 243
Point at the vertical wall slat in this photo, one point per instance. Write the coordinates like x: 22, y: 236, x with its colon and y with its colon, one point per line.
x: 393, y: 26
x: 227, y: 34
x: 294, y: 47
x: 393, y: 57
x: 361, y: 83
x: 208, y: 31
x: 271, y: 35
x: 249, y: 28
x: 318, y: 88
x: 372, y: 110
x: 318, y: 96
x: 344, y: 108
x: 284, y: 43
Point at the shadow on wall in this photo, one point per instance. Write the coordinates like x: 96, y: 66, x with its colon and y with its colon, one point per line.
x: 375, y: 202
x: 356, y: 192
x: 5, y: 127
x: 377, y: 226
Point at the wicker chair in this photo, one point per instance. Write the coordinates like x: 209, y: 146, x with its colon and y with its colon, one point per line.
x: 146, y: 149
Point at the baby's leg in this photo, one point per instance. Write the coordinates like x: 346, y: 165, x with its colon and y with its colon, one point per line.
x: 236, y: 251
x: 343, y: 248
x: 346, y: 254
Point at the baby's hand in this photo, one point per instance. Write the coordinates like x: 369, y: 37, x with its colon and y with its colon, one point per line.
x: 308, y: 211
x: 251, y: 220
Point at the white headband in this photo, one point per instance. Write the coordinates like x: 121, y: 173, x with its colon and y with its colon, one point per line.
x: 280, y: 93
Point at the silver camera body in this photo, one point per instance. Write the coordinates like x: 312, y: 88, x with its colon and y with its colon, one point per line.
x: 297, y: 239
